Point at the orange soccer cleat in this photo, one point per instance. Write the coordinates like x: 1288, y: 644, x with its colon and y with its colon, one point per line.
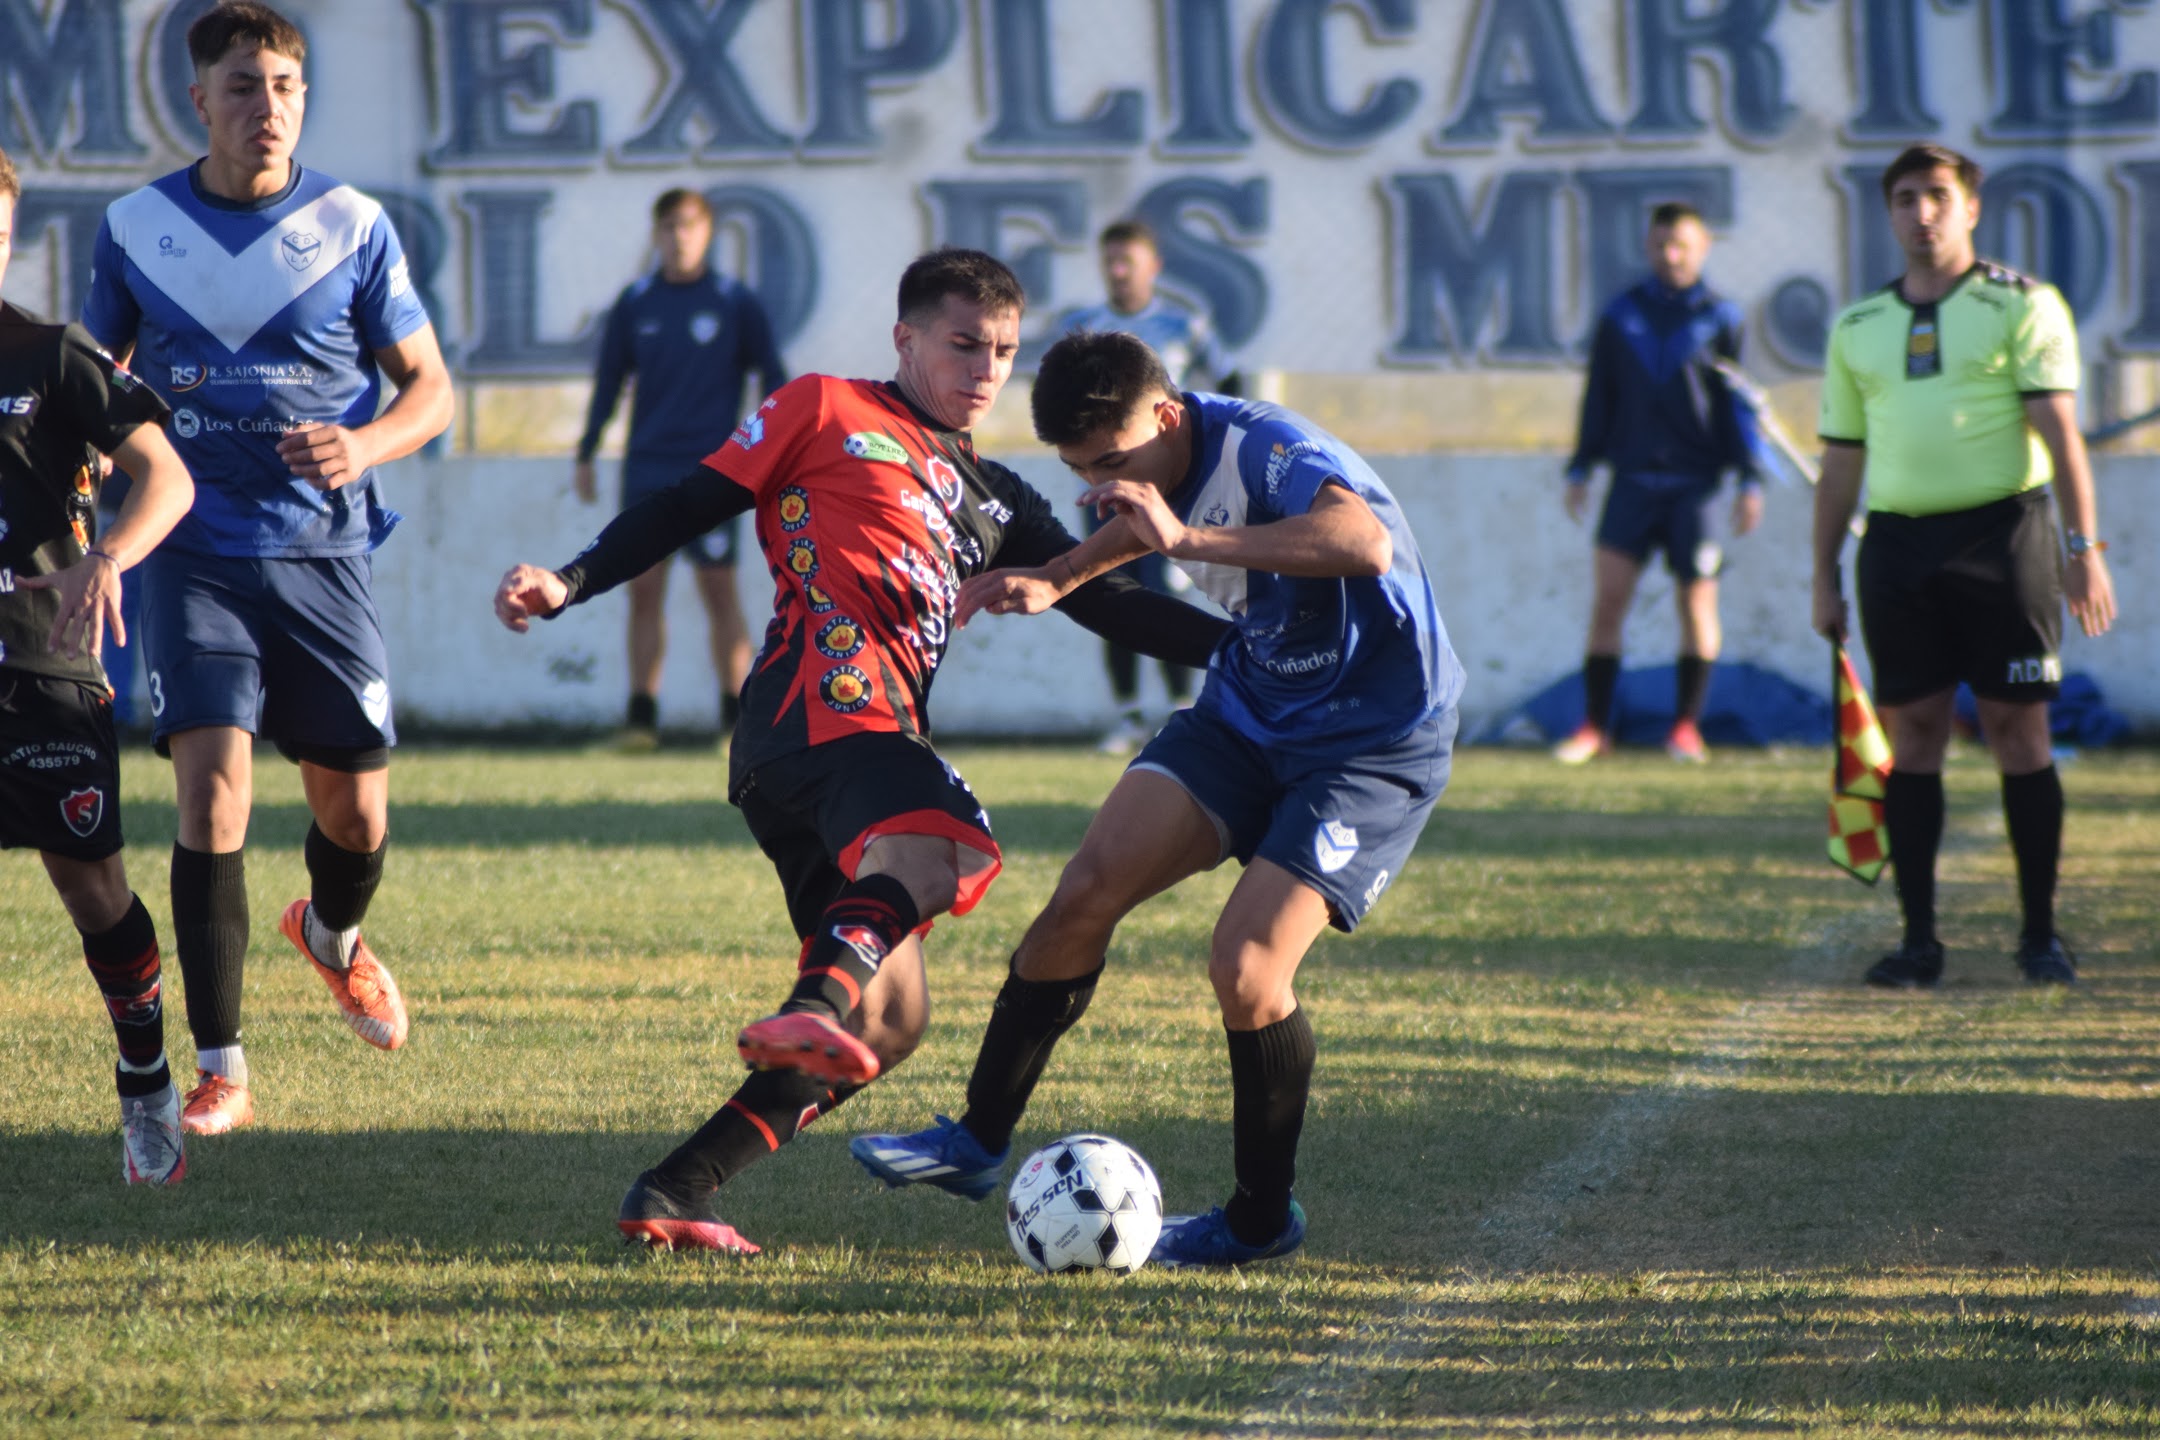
x: 1585, y: 745
x: 365, y: 993
x: 216, y: 1105
x: 1685, y: 744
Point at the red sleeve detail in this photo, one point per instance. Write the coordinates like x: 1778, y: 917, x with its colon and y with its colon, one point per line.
x: 762, y: 446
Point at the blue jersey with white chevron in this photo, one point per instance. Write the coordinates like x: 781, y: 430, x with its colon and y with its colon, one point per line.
x: 1184, y: 340
x: 1318, y: 666
x: 251, y: 319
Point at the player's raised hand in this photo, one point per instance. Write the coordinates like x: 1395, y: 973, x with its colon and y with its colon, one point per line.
x: 89, y: 592
x: 1005, y: 592
x: 1153, y: 522
x: 528, y: 591
x: 326, y: 456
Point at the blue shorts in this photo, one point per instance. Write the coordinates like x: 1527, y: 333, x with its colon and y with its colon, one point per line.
x: 1344, y: 826
x: 1670, y: 513
x: 295, y: 644
x: 641, y: 478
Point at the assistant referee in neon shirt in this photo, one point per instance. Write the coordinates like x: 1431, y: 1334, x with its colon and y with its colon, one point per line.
x: 1953, y: 391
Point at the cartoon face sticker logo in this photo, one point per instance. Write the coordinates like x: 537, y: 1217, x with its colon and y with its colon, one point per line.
x: 820, y: 602
x: 944, y: 480
x: 794, y: 508
x: 839, y: 638
x: 802, y: 558
x: 845, y: 689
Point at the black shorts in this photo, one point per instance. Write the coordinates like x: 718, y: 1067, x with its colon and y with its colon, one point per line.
x: 814, y: 811
x: 1973, y: 595
x: 59, y: 768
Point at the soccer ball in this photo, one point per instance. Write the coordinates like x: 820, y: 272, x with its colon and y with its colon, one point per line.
x: 1085, y: 1202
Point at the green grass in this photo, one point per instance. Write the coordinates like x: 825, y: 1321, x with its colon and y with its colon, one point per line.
x: 1604, y: 1139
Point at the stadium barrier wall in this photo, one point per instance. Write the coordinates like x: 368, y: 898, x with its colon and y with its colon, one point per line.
x: 1513, y: 577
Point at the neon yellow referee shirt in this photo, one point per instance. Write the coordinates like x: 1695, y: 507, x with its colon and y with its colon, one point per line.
x: 1936, y: 392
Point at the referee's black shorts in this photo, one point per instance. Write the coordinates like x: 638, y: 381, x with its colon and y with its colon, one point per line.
x: 1972, y: 595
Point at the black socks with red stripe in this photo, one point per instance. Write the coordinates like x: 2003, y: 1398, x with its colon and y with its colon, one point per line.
x: 124, y: 962
x: 769, y: 1110
x: 1025, y: 1024
x: 858, y: 930
x: 1270, y: 1079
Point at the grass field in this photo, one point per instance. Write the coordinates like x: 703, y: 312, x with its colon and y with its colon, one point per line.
x: 1605, y: 1139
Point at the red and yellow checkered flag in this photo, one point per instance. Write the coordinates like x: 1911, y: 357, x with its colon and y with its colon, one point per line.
x: 1859, y: 845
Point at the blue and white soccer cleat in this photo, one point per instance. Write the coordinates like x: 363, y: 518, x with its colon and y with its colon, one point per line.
x: 1206, y: 1240
x: 946, y: 1155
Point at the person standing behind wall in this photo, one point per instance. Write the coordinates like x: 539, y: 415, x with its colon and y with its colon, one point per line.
x: 1131, y: 263
x: 691, y: 337
x: 1656, y: 411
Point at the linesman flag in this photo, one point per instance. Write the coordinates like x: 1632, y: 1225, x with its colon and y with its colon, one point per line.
x: 1859, y: 845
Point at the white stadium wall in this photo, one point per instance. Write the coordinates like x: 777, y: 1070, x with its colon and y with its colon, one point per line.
x: 1512, y: 574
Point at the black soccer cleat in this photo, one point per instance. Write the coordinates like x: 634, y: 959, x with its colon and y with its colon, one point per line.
x: 1909, y: 967
x: 650, y: 1216
x: 2047, y: 962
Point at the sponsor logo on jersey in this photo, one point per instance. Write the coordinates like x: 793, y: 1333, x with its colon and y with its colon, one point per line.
x: 839, y: 638
x: 845, y: 689
x: 83, y: 809
x: 400, y: 280
x: 301, y: 249
x: 944, y: 480
x: 23, y: 405
x: 186, y: 423
x: 186, y: 377
x: 1302, y: 664
x: 7, y: 580
x: 51, y: 755
x: 820, y: 602
x: 375, y: 702
x: 997, y: 511
x: 802, y: 558
x: 167, y: 250
x: 750, y: 432
x: 794, y: 508
x: 863, y: 941
x: 704, y: 327
x: 869, y: 445
x: 1334, y: 845
x: 2036, y: 669
x: 193, y: 376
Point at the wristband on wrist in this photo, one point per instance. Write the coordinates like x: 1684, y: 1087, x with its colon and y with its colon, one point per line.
x: 105, y: 555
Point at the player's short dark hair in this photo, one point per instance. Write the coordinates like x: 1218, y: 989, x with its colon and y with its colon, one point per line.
x: 10, y: 184
x: 672, y: 200
x: 973, y: 275
x: 1672, y: 212
x: 1917, y: 159
x: 242, y: 22
x: 1128, y: 232
x: 1092, y: 381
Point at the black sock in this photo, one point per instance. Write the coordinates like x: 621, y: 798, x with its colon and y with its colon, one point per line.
x: 124, y: 962
x: 769, y: 1110
x: 644, y: 713
x: 1124, y: 668
x: 2033, y: 806
x: 210, y: 934
x: 853, y: 937
x: 1270, y: 1078
x: 340, y: 881
x: 1600, y: 679
x: 730, y: 710
x: 1692, y: 683
x: 1025, y: 1024
x: 1913, y: 816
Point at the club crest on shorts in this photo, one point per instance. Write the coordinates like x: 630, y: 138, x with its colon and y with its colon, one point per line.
x: 839, y: 638
x: 83, y: 809
x: 375, y: 702
x: 845, y: 689
x: 794, y: 508
x: 1334, y: 846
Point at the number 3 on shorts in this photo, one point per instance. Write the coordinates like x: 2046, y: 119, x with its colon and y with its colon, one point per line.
x: 157, y: 694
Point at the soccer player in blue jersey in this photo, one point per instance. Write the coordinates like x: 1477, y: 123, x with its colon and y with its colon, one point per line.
x: 1318, y: 745
x: 1131, y: 264
x: 691, y: 337
x: 1656, y: 411
x: 265, y: 302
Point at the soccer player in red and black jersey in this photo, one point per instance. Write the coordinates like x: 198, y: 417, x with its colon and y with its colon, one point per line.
x: 871, y: 507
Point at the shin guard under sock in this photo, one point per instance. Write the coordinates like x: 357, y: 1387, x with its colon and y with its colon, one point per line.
x: 769, y: 1110
x: 2033, y: 808
x: 1913, y: 816
x: 210, y: 935
x: 857, y: 931
x: 341, y: 882
x: 1025, y: 1024
x: 1270, y: 1079
x: 124, y: 962
x: 1600, y: 679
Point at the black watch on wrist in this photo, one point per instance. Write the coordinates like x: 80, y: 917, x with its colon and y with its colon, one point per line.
x: 2077, y: 544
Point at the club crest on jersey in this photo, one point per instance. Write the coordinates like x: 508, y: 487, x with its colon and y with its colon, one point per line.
x: 839, y: 638
x: 869, y: 445
x: 820, y: 602
x: 83, y: 809
x: 704, y: 327
x: 794, y: 508
x: 802, y: 558
x: 301, y: 250
x: 1334, y: 845
x: 944, y: 480
x: 845, y: 689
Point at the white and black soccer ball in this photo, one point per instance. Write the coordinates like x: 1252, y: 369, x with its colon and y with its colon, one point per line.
x: 1086, y: 1202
